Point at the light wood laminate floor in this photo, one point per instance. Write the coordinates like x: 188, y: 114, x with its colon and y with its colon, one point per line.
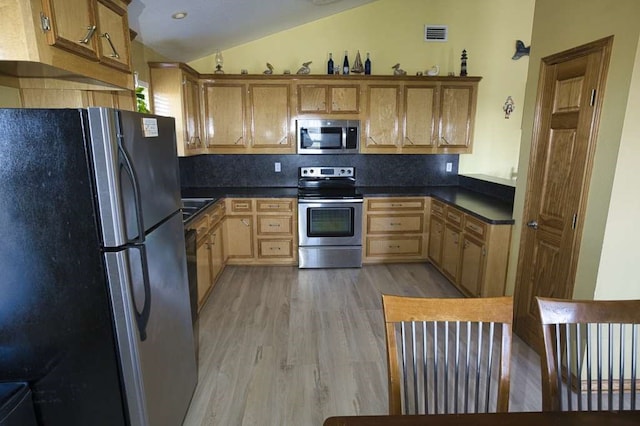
x: 289, y: 347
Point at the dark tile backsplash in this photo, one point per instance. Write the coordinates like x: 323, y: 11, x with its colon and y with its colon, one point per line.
x: 371, y: 170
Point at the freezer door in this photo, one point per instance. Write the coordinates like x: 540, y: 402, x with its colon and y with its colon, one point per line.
x: 159, y: 371
x: 136, y: 172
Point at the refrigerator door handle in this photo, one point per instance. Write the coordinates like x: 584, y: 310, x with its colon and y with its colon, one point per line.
x: 125, y: 163
x: 142, y: 317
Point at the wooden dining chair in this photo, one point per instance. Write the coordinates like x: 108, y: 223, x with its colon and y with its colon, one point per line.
x: 590, y: 351
x: 448, y: 355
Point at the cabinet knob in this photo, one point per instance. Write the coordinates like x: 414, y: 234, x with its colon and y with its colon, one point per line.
x: 533, y: 224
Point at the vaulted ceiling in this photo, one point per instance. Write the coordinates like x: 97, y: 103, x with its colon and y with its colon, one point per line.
x: 210, y: 25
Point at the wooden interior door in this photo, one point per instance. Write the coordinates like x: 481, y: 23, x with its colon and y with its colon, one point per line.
x: 570, y: 94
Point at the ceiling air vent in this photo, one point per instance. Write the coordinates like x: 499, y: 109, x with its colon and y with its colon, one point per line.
x: 435, y: 33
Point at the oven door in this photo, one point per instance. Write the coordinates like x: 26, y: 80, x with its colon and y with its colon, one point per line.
x: 335, y: 222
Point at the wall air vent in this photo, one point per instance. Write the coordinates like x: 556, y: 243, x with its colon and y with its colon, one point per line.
x: 435, y: 33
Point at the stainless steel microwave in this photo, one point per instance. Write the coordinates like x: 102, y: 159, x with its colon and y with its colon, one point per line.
x: 315, y: 136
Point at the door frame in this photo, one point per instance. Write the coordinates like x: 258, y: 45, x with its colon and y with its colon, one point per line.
x: 604, y: 45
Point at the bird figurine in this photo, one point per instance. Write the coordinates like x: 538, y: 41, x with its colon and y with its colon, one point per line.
x: 305, y: 68
x: 397, y: 70
x: 435, y: 70
x: 269, y: 69
x: 521, y: 50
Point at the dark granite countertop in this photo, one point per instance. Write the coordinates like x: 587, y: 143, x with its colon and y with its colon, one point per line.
x: 484, y: 207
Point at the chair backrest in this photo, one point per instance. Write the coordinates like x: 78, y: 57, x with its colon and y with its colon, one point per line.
x: 446, y: 355
x: 590, y: 351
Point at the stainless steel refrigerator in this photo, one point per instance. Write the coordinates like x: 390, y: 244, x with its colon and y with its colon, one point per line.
x: 94, y: 299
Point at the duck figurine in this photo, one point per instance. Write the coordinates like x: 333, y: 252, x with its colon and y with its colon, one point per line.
x: 397, y: 70
x: 269, y: 69
x: 433, y: 71
x: 305, y: 68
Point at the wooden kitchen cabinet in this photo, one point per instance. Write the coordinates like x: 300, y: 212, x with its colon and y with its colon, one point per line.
x: 328, y: 97
x: 436, y: 232
x: 68, y: 38
x: 382, y: 118
x: 395, y: 229
x: 75, y: 98
x: 175, y: 92
x: 245, y: 116
x: 456, y: 117
x: 224, y: 117
x: 209, y: 248
x: 269, y: 127
x: 114, y: 38
x: 451, y: 244
x: 261, y: 231
x: 419, y: 118
x: 471, y: 253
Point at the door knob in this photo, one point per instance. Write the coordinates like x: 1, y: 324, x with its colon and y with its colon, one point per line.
x: 533, y: 224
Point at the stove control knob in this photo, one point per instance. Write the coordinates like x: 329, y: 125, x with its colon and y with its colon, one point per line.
x: 304, y: 172
x: 342, y: 171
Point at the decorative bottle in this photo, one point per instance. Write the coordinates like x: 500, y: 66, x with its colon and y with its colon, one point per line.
x: 330, y: 64
x: 367, y: 65
x: 345, y: 64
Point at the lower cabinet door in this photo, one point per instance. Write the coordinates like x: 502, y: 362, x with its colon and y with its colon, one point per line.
x: 203, y: 255
x: 217, y: 253
x: 472, y: 265
x: 451, y: 253
x: 239, y: 243
x: 436, y: 235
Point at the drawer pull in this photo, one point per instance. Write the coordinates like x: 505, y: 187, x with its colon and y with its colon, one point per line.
x: 245, y: 222
x: 396, y: 204
x: 395, y: 224
x: 274, y: 225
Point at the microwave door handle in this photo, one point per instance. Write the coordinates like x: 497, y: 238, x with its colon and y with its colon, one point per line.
x: 344, y: 137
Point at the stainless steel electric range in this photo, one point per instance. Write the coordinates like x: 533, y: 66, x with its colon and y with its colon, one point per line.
x: 329, y: 218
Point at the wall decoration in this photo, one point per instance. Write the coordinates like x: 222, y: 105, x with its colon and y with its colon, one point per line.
x: 521, y: 50
x: 508, y: 107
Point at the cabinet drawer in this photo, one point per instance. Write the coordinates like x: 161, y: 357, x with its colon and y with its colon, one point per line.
x: 240, y: 205
x: 275, y: 248
x: 274, y: 225
x: 274, y: 205
x: 454, y: 217
x: 396, y: 204
x: 475, y: 227
x: 386, y: 224
x: 437, y: 208
x: 394, y: 246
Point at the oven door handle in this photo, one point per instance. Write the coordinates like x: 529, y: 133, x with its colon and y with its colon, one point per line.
x: 330, y: 201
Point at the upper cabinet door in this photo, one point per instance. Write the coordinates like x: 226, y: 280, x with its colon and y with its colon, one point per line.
x: 224, y: 117
x: 312, y: 98
x: 270, y: 116
x: 72, y: 26
x: 382, y: 117
x: 420, y: 112
x: 113, y: 27
x: 345, y: 99
x: 457, y: 112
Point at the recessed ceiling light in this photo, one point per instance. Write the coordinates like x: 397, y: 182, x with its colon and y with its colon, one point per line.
x: 179, y: 15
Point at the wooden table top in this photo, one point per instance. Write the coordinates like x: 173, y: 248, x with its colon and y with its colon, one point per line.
x: 583, y: 418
